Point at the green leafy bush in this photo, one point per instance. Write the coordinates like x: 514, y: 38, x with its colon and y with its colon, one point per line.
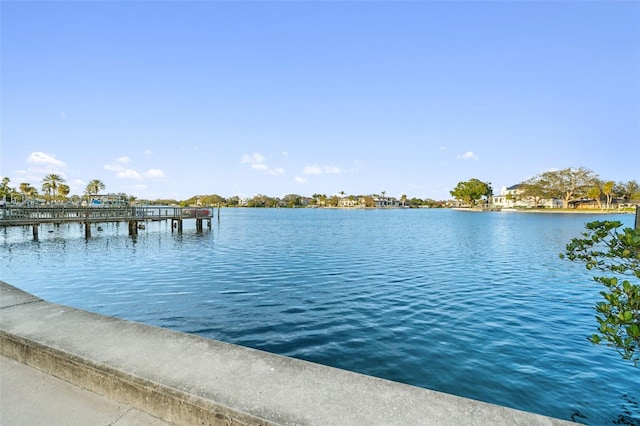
x: 606, y: 248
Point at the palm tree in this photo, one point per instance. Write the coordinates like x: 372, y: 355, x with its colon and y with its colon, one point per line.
x: 27, y: 190
x: 93, y: 187
x: 63, y: 190
x: 46, y: 188
x: 51, y: 183
x: 607, y: 189
x: 24, y: 188
x: 4, y: 188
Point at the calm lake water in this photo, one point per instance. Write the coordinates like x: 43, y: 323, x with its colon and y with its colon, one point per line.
x: 473, y: 304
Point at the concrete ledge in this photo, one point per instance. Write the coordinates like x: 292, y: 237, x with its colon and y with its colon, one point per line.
x: 189, y: 380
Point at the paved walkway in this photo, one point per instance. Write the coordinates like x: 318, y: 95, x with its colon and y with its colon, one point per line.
x: 30, y: 397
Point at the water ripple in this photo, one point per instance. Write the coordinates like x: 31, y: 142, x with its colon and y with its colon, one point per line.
x: 477, y: 305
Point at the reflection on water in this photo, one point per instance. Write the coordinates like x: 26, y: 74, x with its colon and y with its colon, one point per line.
x: 474, y: 304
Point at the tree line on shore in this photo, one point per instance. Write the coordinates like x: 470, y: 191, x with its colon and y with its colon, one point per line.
x: 566, y: 184
x: 54, y: 190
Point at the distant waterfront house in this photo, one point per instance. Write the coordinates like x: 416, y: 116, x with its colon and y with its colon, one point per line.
x: 386, y: 202
x: 592, y: 203
x: 350, y: 202
x: 108, y: 200
x: 511, y: 197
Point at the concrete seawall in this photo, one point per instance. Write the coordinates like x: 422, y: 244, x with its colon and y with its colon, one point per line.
x: 189, y: 380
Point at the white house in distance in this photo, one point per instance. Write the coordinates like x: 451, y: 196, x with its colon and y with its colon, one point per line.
x: 509, y: 198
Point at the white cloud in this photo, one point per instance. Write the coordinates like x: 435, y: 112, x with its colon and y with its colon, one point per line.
x: 148, y: 152
x: 42, y: 158
x: 123, y: 160
x: 469, y: 155
x: 312, y: 170
x: 129, y: 174
x: 285, y: 154
x: 318, y: 170
x: 301, y: 180
x: 153, y: 173
x: 259, y: 166
x: 254, y: 158
x: 257, y: 162
x: 114, y: 167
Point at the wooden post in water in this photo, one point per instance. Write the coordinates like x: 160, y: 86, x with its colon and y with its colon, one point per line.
x: 198, y: 225
x: 133, y: 227
x: 35, y: 232
x: 218, y: 211
x: 87, y: 229
x: 637, y: 217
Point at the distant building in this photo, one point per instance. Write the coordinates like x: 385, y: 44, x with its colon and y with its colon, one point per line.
x: 386, y: 202
x: 350, y: 202
x: 510, y: 198
x: 107, y: 200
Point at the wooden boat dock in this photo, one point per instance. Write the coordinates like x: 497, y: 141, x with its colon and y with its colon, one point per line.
x: 134, y: 215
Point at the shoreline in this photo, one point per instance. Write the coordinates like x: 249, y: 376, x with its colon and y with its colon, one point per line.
x: 551, y: 211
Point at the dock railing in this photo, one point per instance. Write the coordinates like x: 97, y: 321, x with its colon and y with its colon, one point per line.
x: 21, y: 216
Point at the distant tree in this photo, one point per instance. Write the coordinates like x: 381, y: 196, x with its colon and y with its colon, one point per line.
x: 628, y: 190
x: 368, y: 201
x: 94, y: 187
x: 28, y: 191
x: 595, y: 192
x: 533, y: 189
x: 292, y: 200
x: 471, y: 191
x: 261, y: 200
x: 46, y: 188
x: 63, y: 190
x: 233, y: 201
x: 568, y: 184
x: 606, y: 249
x: 207, y: 200
x: 51, y: 183
x: 607, y: 190
x: 5, y: 191
x: 403, y: 199
x: 430, y: 202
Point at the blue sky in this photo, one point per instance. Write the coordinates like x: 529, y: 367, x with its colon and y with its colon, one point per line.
x: 169, y: 99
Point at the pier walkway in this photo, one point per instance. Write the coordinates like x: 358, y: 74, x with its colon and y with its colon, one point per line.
x: 134, y: 215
